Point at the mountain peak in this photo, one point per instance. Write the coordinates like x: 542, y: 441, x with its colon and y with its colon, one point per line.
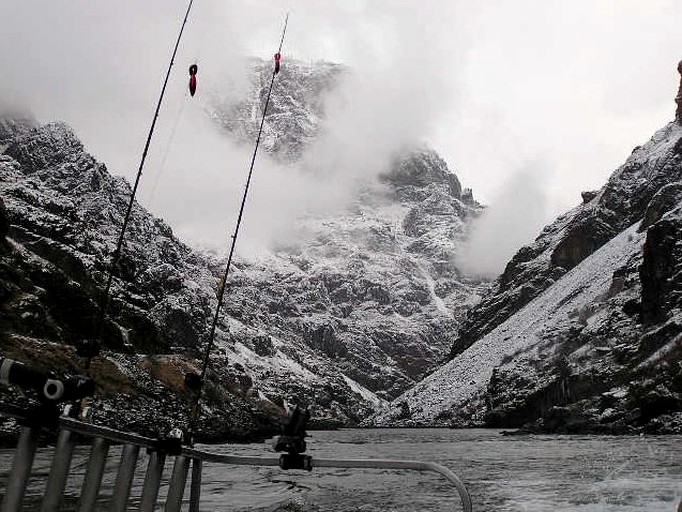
x: 295, y: 111
x: 420, y: 168
x: 13, y: 122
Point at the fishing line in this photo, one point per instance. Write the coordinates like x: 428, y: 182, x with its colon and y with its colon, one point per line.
x: 117, y: 253
x: 199, y: 43
x: 166, y: 151
x: 223, y: 282
x: 89, y: 349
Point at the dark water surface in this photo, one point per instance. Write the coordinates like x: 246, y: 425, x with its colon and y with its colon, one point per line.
x: 503, y: 474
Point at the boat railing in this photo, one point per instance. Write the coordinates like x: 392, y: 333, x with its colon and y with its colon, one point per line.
x: 102, y: 438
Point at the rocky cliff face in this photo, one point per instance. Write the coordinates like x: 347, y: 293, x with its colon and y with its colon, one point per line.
x: 375, y: 287
x: 361, y: 309
x: 583, y: 330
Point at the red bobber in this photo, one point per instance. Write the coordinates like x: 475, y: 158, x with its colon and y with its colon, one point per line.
x: 193, y: 79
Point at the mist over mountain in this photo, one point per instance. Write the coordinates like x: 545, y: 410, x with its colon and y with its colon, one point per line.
x: 358, y: 298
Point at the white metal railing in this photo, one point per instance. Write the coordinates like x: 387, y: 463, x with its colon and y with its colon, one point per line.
x: 103, y: 437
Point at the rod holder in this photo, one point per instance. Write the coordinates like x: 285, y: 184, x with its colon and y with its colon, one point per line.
x: 124, y: 478
x: 152, y: 481
x: 93, y: 474
x: 59, y: 472
x: 21, y: 469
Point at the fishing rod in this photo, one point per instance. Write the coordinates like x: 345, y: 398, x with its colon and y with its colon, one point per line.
x: 197, y: 383
x: 117, y: 253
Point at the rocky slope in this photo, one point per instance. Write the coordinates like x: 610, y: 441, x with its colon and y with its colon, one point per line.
x: 62, y: 213
x: 361, y: 310
x: 372, y: 289
x: 577, y: 234
x: 583, y: 330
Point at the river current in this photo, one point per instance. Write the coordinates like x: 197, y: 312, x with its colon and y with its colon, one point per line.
x: 503, y: 474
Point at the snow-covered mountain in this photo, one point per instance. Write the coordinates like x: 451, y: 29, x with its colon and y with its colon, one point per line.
x: 295, y: 112
x: 373, y: 287
x: 583, y: 330
x: 360, y: 310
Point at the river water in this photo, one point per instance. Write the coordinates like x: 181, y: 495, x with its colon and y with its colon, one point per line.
x: 502, y: 474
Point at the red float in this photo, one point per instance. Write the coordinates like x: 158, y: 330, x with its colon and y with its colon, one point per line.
x: 193, y: 79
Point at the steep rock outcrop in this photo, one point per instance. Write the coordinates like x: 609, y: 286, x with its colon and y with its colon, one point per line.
x: 666, y: 199
x: 295, y: 111
x: 44, y: 146
x: 419, y: 169
x: 661, y: 271
x: 374, y: 288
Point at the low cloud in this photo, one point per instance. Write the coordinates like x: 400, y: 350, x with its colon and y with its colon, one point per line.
x: 99, y: 67
x: 513, y: 219
x: 460, y: 75
x: 383, y: 104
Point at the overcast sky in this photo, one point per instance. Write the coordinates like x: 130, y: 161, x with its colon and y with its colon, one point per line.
x: 565, y: 88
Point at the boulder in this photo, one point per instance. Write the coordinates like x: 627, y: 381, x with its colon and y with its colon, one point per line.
x: 667, y: 198
x: 588, y: 195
